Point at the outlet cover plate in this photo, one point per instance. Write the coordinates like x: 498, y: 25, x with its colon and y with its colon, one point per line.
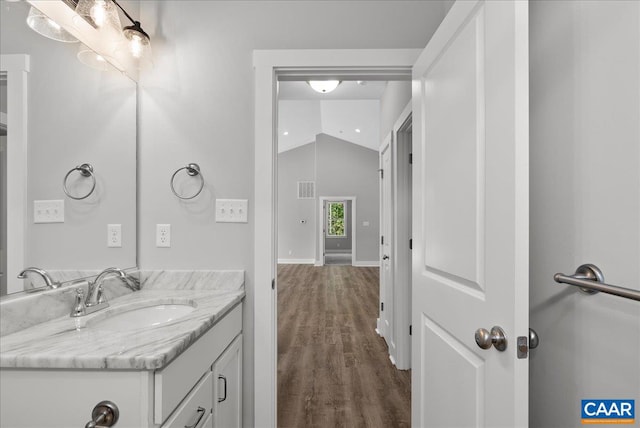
x: 231, y: 210
x: 48, y: 211
x: 163, y: 235
x: 114, y: 235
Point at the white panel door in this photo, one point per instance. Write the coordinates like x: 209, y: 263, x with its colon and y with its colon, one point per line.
x: 387, y: 295
x: 470, y: 217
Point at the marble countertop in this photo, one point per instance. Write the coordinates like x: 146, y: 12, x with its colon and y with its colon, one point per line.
x: 67, y: 343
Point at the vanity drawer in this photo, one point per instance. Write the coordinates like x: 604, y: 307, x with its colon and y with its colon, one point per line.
x: 175, y: 381
x: 196, y: 408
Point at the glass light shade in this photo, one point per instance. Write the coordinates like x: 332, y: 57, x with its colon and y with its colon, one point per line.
x: 94, y: 60
x: 43, y: 25
x: 137, y: 45
x: 102, y: 14
x: 324, y: 86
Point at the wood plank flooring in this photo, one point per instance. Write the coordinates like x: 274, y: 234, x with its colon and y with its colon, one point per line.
x: 333, y: 368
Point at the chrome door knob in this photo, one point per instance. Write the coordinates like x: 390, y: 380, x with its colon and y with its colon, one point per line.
x: 496, y: 337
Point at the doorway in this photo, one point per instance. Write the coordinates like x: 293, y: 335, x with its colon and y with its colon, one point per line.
x: 338, y: 297
x: 336, y: 231
x: 271, y: 68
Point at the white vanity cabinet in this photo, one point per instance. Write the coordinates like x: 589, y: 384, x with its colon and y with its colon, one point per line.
x: 181, y: 394
x: 227, y: 391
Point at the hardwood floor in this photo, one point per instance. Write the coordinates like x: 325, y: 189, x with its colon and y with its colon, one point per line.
x: 333, y: 368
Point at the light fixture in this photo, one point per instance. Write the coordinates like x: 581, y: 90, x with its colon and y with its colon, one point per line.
x: 358, y: 130
x: 101, y: 14
x: 137, y: 42
x: 45, y: 26
x: 323, y: 86
x: 285, y: 133
x: 89, y: 57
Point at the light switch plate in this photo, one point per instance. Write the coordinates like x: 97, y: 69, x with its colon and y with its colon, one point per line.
x: 48, y: 211
x: 231, y: 210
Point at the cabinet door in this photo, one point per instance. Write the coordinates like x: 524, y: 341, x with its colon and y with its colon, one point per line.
x: 227, y: 387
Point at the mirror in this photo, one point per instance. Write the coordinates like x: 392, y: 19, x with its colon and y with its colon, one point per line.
x: 74, y: 115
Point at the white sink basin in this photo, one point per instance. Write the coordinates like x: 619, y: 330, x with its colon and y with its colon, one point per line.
x: 147, y: 316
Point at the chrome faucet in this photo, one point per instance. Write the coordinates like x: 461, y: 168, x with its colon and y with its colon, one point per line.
x: 95, y: 300
x: 28, y: 286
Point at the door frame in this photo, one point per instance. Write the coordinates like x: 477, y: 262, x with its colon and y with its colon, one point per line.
x: 321, y: 215
x: 383, y: 323
x: 402, y: 201
x: 16, y: 67
x: 270, y: 66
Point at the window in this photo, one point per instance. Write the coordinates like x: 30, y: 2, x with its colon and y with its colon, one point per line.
x: 336, y: 219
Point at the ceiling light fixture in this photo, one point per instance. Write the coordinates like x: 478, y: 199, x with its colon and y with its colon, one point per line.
x: 45, y: 26
x: 285, y: 133
x: 358, y: 130
x: 323, y: 86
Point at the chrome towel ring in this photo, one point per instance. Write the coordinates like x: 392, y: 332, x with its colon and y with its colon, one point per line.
x: 193, y: 169
x: 86, y: 170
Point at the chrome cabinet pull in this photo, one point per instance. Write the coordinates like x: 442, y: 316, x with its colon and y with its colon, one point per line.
x: 220, y: 400
x: 198, y: 417
x: 104, y: 414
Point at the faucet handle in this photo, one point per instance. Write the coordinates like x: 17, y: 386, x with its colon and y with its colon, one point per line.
x: 79, y: 308
x: 100, y: 297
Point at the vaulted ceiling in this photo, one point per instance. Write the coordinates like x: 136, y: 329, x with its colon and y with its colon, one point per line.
x: 351, y: 112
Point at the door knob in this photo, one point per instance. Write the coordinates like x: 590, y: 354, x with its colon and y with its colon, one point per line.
x: 534, y: 339
x: 495, y: 337
x: 385, y: 257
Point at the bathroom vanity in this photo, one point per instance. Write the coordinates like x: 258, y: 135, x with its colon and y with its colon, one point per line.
x: 182, y: 372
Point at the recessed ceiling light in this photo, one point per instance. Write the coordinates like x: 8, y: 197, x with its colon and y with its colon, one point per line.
x: 358, y: 130
x: 323, y: 86
x: 285, y: 133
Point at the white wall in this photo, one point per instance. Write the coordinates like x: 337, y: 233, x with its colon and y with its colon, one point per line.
x: 346, y: 169
x: 585, y: 203
x: 339, y: 168
x: 296, y: 240
x: 395, y: 98
x: 197, y: 106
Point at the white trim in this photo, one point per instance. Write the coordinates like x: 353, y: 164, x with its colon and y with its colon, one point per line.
x: 338, y: 251
x: 17, y: 68
x: 401, y: 261
x: 321, y: 235
x: 298, y: 64
x: 296, y: 261
x: 360, y: 263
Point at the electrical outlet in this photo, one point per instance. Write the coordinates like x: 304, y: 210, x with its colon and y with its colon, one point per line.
x: 163, y: 235
x: 114, y: 235
x: 231, y: 210
x: 48, y: 211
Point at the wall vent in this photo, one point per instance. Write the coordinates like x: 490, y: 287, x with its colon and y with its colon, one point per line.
x: 306, y: 189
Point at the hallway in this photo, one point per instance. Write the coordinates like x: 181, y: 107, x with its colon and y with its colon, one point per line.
x: 333, y: 369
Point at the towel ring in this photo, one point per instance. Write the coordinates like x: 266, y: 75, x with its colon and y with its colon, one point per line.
x: 193, y: 169
x: 86, y: 170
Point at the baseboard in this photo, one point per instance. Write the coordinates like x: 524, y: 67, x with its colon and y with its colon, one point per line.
x: 296, y: 261
x: 360, y: 263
